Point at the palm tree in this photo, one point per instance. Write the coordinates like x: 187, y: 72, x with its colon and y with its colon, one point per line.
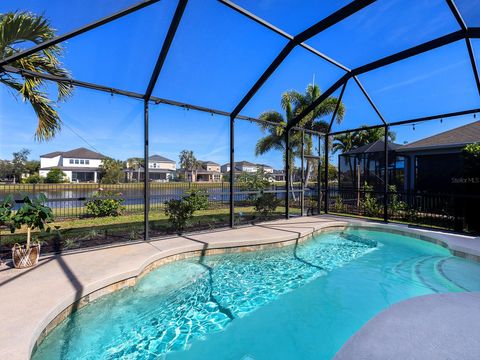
x: 352, y: 140
x: 17, y: 29
x: 135, y: 163
x: 293, y: 103
x: 189, y: 163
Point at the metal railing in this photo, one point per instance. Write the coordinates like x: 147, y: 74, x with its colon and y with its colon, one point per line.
x: 447, y: 211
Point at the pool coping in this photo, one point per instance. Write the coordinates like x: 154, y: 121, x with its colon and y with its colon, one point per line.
x: 94, y: 280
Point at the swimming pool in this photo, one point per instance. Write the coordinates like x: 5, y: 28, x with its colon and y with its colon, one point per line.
x: 297, y: 302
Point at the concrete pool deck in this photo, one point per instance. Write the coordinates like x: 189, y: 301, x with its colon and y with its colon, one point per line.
x: 35, y: 300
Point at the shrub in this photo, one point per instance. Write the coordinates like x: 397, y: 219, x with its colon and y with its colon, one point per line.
x: 34, y: 179
x: 6, y: 206
x: 34, y: 214
x: 338, y: 205
x: 56, y: 176
x: 369, y: 203
x: 197, y: 198
x: 395, y: 206
x: 180, y: 211
x: 105, y: 203
x: 266, y: 204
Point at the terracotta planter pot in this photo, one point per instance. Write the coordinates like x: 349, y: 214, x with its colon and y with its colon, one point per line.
x: 23, y: 258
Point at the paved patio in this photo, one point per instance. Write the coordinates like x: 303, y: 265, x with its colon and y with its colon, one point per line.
x: 33, y: 298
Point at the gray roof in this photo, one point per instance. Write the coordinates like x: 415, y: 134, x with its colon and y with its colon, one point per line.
x: 209, y: 163
x: 160, y: 159
x: 376, y: 146
x: 459, y: 136
x: 265, y: 166
x: 244, y: 163
x: 82, y: 153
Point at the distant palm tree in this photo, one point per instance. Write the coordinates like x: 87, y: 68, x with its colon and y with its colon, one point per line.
x: 189, y: 163
x: 16, y: 31
x: 293, y: 103
x: 354, y: 139
x: 135, y: 163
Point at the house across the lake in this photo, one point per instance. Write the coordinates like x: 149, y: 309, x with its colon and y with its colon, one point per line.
x: 160, y: 169
x: 79, y: 165
x: 248, y: 167
x: 208, y: 171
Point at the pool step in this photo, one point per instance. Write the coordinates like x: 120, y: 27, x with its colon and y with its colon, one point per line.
x: 429, y: 271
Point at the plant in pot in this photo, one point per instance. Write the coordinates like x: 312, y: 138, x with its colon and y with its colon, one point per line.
x: 33, y: 214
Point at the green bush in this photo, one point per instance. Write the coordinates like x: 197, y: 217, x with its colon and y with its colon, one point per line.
x: 198, y: 199
x: 33, y: 179
x: 34, y: 214
x: 396, y: 207
x: 105, y: 203
x: 56, y: 176
x: 266, y: 204
x: 338, y: 205
x: 369, y: 203
x: 180, y: 211
x: 6, y: 206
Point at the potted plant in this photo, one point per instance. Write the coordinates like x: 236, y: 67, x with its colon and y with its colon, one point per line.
x: 33, y: 214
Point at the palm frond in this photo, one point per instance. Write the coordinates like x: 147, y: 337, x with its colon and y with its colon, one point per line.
x: 23, y: 27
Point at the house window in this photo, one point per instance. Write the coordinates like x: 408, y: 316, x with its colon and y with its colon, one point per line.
x: 77, y: 161
x: 71, y: 161
x: 82, y: 162
x: 87, y: 162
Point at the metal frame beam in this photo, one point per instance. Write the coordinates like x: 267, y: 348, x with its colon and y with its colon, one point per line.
x: 369, y: 99
x: 412, y: 121
x: 309, y: 48
x: 134, y: 95
x: 172, y: 29
x: 78, y: 31
x: 182, y: 4
x: 337, y: 106
x: 385, y: 176
x: 313, y: 30
x: 402, y: 55
x: 458, y: 16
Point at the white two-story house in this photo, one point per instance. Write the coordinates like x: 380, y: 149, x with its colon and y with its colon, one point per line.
x: 79, y: 165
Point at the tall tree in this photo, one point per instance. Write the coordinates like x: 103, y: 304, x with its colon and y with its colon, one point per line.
x: 135, y: 163
x: 188, y: 162
x: 293, y: 103
x: 17, y: 30
x: 19, y: 162
x: 111, y: 171
x: 354, y: 139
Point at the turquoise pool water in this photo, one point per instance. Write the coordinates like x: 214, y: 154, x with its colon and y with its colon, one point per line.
x: 296, y: 302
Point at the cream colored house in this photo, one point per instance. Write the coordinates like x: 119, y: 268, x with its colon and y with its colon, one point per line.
x: 160, y: 169
x: 209, y: 171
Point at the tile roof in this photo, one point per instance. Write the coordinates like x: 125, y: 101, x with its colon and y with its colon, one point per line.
x: 160, y: 158
x: 466, y: 134
x: 76, y: 153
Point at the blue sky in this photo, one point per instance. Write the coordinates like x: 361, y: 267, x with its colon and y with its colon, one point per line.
x: 216, y: 57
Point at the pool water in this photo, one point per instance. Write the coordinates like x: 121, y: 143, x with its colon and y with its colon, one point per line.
x: 296, y: 302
